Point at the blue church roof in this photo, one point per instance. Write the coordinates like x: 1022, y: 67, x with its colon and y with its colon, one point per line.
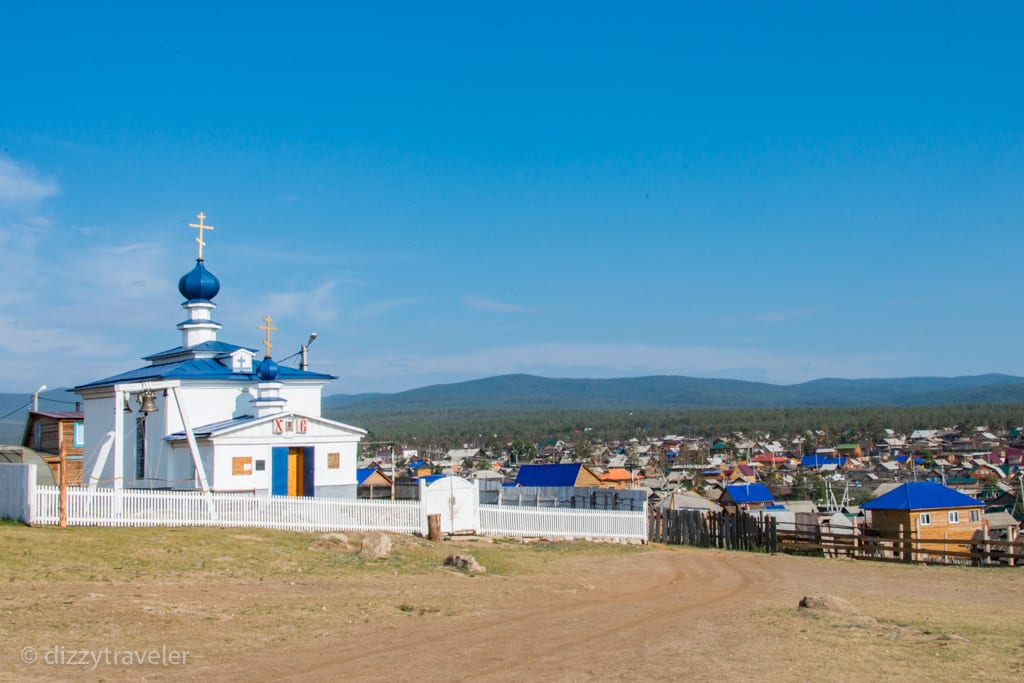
x: 548, y: 475
x: 217, y: 347
x: 199, y: 284
x: 921, y: 495
x: 204, y: 431
x: 750, y: 493
x: 197, y: 368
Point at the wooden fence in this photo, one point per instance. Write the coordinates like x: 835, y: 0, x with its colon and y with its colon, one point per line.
x: 702, y: 529
x: 980, y: 551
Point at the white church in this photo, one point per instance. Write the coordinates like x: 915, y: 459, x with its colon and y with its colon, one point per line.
x: 208, y: 415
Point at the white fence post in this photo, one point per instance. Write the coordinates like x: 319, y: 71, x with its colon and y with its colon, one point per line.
x: 30, y: 495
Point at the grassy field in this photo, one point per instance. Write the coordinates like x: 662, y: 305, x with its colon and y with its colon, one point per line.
x: 165, y: 554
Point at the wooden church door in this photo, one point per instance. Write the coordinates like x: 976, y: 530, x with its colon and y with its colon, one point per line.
x: 293, y: 471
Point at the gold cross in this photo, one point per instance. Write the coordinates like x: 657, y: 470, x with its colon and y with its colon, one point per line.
x: 268, y: 329
x: 201, y: 226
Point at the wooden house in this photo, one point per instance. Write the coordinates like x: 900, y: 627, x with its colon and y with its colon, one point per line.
x: 746, y: 497
x: 52, y: 433
x: 925, y: 510
x: 373, y: 483
x: 849, y: 450
x: 568, y: 474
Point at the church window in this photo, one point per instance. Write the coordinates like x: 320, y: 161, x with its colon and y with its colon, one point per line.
x: 241, y: 465
x: 333, y: 461
x: 140, y: 447
x: 261, y: 465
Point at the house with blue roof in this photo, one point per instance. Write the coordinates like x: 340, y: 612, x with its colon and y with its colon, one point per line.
x: 817, y: 460
x: 921, y: 509
x: 566, y: 474
x: 209, y: 415
x: 746, y: 497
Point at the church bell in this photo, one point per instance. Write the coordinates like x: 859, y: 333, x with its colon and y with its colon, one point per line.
x: 148, y: 402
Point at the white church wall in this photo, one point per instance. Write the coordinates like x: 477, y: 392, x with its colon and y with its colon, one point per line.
x: 98, y: 422
x: 246, y: 477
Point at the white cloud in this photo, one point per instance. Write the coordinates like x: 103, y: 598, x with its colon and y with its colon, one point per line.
x: 20, y: 184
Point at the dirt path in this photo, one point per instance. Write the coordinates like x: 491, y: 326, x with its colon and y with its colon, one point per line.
x: 665, y: 614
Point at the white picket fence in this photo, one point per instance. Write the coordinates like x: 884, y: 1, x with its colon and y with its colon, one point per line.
x: 107, y: 507
x: 128, y: 507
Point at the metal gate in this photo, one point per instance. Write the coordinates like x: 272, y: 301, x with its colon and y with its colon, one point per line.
x: 456, y: 500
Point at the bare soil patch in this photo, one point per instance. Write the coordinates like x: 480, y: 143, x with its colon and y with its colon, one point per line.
x: 259, y: 605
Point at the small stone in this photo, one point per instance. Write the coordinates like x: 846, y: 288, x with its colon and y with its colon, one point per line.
x: 466, y: 563
x: 376, y: 546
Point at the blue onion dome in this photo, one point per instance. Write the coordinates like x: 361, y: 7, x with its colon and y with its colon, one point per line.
x: 199, y: 284
x: 267, y: 370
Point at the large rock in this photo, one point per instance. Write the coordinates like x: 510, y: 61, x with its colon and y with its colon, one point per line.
x: 376, y: 546
x: 467, y: 563
x: 829, y: 603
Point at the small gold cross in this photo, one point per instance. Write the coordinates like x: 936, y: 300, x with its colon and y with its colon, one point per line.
x: 268, y: 329
x: 201, y: 226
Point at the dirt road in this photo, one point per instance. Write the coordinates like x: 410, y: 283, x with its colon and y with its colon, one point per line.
x: 664, y: 614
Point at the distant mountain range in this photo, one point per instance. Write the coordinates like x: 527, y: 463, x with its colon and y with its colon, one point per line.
x: 661, y: 392
x: 526, y: 392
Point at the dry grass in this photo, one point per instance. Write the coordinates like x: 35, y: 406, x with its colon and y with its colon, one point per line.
x: 163, y: 554
x: 250, y: 604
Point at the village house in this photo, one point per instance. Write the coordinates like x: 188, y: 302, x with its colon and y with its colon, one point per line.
x: 746, y: 497
x: 925, y: 510
x: 569, y: 474
x: 52, y: 434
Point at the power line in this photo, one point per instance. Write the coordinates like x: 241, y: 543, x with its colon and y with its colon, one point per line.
x: 16, y: 410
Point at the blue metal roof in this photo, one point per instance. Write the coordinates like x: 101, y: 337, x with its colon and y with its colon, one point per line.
x: 921, y: 495
x: 363, y: 473
x: 819, y: 460
x: 548, y: 475
x: 212, y: 428
x: 197, y: 368
x: 210, y: 346
x: 749, y: 493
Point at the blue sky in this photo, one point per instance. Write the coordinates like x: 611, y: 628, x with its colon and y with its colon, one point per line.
x: 775, y: 192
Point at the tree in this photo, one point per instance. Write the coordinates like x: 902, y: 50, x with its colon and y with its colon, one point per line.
x: 523, y: 451
x: 581, y: 451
